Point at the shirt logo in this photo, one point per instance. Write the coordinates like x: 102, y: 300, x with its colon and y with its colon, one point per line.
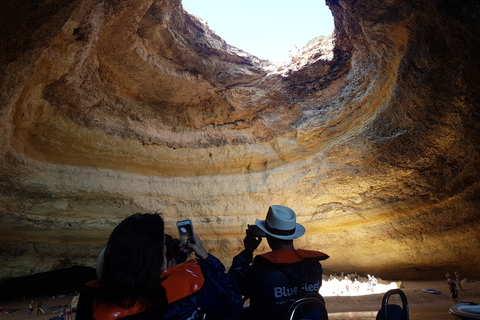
x: 285, y: 292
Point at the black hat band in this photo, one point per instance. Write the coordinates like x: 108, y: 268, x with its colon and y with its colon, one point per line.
x: 278, y: 231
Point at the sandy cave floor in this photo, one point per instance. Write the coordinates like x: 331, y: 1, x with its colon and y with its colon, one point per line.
x: 423, y: 306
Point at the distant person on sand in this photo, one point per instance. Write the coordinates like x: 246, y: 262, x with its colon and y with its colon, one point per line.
x: 39, y: 307
x: 276, y: 279
x: 453, y: 291
x: 30, y: 309
x: 452, y: 287
x: 68, y: 312
x: 457, y: 280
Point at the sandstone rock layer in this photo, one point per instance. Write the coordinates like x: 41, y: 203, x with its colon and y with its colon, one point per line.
x: 112, y: 107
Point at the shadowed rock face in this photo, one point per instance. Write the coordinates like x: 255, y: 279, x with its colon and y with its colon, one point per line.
x: 108, y: 108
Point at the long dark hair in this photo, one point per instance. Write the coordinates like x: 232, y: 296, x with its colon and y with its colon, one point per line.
x: 133, y: 263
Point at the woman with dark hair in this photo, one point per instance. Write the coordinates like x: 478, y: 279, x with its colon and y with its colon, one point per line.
x: 130, y: 271
x: 133, y: 262
x: 134, y: 285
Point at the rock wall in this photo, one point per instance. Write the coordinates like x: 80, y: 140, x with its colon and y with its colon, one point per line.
x: 113, y: 107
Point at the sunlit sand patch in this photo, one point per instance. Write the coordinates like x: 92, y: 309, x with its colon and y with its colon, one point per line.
x: 354, y: 285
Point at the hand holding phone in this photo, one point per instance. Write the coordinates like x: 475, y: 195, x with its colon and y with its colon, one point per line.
x: 256, y: 231
x: 185, y: 234
x: 251, y: 240
x: 198, y: 248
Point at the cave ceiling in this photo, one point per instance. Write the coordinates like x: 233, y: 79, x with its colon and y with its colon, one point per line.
x: 108, y: 108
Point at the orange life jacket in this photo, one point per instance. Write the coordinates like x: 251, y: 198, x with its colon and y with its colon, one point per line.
x: 179, y: 282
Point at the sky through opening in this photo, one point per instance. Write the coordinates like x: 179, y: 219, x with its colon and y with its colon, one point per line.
x: 268, y: 29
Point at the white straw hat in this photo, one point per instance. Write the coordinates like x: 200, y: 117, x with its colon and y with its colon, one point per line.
x: 281, y: 223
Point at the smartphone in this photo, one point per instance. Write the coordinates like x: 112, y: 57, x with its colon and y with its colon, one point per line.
x: 185, y: 233
x: 256, y: 231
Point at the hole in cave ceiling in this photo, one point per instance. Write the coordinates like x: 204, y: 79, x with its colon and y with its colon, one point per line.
x: 268, y: 29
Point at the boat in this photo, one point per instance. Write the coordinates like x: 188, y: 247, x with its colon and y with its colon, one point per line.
x: 52, y: 308
x: 10, y: 311
x: 431, y: 291
x: 466, y: 310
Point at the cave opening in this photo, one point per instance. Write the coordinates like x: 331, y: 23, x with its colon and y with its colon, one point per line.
x: 271, y: 30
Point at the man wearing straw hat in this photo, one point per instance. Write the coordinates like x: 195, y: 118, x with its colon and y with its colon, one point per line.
x: 276, y: 279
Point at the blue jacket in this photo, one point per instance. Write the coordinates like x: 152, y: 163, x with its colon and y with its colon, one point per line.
x: 204, y: 289
x: 194, y: 289
x: 277, y: 279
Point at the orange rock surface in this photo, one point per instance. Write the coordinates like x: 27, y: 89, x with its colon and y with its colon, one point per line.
x: 112, y: 107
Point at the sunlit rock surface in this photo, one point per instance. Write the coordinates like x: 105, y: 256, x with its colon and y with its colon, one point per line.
x: 108, y: 108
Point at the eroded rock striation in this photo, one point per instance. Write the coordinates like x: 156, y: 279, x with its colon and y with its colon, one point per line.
x: 113, y: 107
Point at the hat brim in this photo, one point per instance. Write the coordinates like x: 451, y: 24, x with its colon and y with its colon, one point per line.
x: 299, y: 231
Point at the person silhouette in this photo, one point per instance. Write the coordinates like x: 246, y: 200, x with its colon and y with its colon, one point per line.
x: 275, y: 280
